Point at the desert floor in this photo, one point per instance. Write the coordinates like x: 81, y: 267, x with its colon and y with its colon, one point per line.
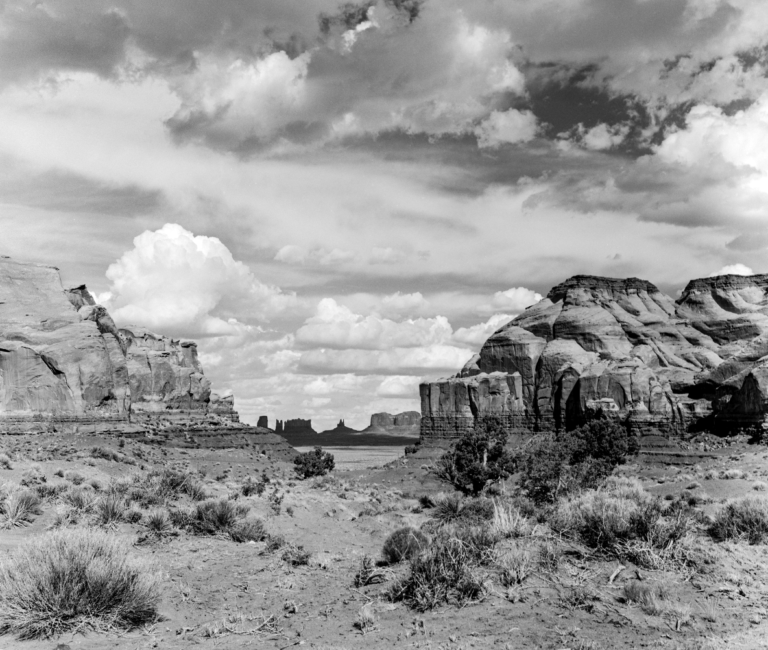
x: 220, y: 594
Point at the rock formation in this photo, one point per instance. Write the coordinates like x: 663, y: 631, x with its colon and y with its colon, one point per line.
x: 65, y: 366
x: 403, y: 424
x: 623, y: 346
x: 263, y: 422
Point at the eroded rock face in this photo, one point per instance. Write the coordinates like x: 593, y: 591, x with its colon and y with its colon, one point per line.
x: 65, y: 365
x: 623, y: 346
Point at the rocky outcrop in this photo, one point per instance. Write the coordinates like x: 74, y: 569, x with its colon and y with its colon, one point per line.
x: 65, y: 365
x: 622, y: 346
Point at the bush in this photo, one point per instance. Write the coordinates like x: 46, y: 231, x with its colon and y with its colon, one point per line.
x: 110, y: 509
x: 478, y: 458
x: 455, y: 509
x: 411, y: 449
x: 74, y: 477
x: 624, y: 520
x: 444, y: 572
x: 5, y: 461
x: 403, y: 544
x: 249, y: 530
x: 557, y: 464
x: 313, y: 463
x: 743, y: 520
x: 74, y: 580
x: 158, y: 522
x: 18, y: 507
x: 296, y: 555
x: 211, y: 517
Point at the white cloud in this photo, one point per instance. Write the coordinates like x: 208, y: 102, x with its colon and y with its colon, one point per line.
x: 604, y: 136
x: 336, y: 326
x: 510, y: 126
x: 476, y: 335
x: 514, y: 300
x: 399, y: 386
x: 175, y: 281
x: 292, y: 254
x: 733, y: 269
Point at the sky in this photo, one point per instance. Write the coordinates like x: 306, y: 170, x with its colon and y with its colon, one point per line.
x: 339, y: 201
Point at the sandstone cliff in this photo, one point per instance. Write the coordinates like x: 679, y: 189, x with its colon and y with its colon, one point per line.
x: 64, y: 365
x: 405, y: 424
x: 623, y: 346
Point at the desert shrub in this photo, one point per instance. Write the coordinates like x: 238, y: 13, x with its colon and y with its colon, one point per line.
x: 746, y: 519
x: 623, y: 520
x: 110, y: 509
x: 73, y: 580
x: 275, y: 542
x: 453, y: 508
x: 515, y: 566
x: 106, y: 454
x: 158, y: 522
x: 79, y: 499
x: 313, y: 463
x: 214, y: 516
x: 18, y: 507
x: 557, y: 464
x: 50, y: 491
x: 368, y: 573
x: 5, y: 461
x: 445, y: 572
x: 76, y: 478
x: 509, y: 521
x: 32, y: 476
x: 403, y: 544
x: 296, y: 555
x: 133, y: 515
x: 648, y: 596
x: 248, y: 530
x: 411, y: 449
x: 479, y: 458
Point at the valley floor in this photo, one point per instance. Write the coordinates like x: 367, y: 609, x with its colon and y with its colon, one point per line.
x: 217, y: 593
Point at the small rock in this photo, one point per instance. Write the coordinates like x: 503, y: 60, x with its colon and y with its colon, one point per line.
x: 755, y: 619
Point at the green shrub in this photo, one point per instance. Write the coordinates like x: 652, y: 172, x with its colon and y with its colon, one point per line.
x: 403, y: 544
x: 479, y: 458
x: 313, y: 463
x: 70, y: 580
x: 556, y: 464
x: 746, y: 520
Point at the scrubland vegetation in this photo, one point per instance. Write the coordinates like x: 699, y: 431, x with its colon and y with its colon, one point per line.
x: 563, y: 527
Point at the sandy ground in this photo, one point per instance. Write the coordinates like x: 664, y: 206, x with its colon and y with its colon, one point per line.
x: 220, y: 594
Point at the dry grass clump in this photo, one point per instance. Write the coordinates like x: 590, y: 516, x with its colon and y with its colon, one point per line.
x: 453, y: 508
x: 248, y: 530
x: 368, y: 573
x: 18, y: 507
x: 403, y: 544
x: 515, y: 566
x: 445, y: 572
x: 158, y: 523
x: 746, y: 519
x: 110, y: 509
x: 5, y: 461
x: 75, y: 579
x: 622, y: 519
x: 76, y: 478
x: 731, y: 474
x: 508, y: 521
x: 653, y: 599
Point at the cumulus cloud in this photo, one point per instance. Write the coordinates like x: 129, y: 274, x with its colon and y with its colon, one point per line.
x: 509, y: 126
x: 176, y: 281
x: 476, y: 335
x: 395, y: 361
x: 733, y: 269
x: 512, y: 300
x: 336, y: 326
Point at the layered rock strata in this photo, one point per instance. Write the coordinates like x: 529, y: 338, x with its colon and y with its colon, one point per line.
x: 66, y: 366
x: 623, y: 346
x: 406, y: 424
